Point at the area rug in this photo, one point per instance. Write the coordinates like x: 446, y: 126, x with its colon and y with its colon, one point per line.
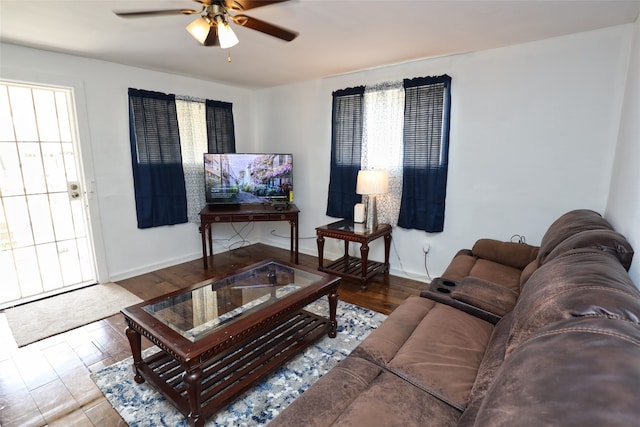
x: 140, y: 405
x: 51, y: 316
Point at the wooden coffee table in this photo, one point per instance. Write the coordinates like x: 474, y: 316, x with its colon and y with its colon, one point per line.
x: 220, y: 336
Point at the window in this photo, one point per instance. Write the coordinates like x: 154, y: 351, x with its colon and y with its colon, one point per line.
x: 168, y: 135
x: 401, y: 127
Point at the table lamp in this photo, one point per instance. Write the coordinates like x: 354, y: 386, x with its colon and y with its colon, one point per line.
x: 371, y: 183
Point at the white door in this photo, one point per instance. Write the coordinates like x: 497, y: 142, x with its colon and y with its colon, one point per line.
x: 45, y: 243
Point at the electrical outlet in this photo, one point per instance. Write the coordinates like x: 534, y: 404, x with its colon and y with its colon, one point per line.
x: 426, y: 247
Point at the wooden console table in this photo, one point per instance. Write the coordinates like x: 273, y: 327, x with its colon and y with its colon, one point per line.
x: 362, y: 268
x: 212, y: 214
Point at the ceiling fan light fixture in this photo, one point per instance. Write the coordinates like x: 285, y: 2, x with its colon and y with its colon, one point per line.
x: 225, y: 34
x: 202, y: 31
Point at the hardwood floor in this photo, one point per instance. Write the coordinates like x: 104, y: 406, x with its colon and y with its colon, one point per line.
x: 47, y: 383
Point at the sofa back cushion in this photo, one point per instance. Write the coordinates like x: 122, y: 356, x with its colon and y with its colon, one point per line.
x: 516, y: 255
x: 577, y: 372
x: 582, y: 282
x: 568, y: 225
x: 607, y: 241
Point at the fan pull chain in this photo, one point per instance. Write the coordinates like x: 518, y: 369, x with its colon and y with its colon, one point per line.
x: 229, y: 55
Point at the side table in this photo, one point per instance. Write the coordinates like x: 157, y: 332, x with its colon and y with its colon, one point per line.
x: 362, y: 268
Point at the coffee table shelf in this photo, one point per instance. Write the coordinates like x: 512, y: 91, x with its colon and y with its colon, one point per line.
x: 228, y: 375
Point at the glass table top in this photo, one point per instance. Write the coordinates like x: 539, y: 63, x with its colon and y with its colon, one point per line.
x: 347, y: 225
x: 196, y: 313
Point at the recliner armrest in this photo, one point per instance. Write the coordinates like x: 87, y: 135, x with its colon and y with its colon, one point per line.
x: 486, y: 295
x: 441, y: 290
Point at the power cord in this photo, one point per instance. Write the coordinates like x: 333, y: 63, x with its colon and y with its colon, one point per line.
x: 409, y: 275
x: 426, y: 268
x: 517, y: 238
x: 273, y: 233
x: 243, y: 242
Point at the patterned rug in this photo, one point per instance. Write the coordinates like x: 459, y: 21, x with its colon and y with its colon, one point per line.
x: 141, y: 405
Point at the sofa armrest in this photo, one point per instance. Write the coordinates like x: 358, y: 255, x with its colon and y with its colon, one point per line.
x: 486, y: 295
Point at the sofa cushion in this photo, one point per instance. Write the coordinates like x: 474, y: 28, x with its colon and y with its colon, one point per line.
x: 491, y: 362
x: 497, y: 273
x: 323, y: 403
x: 582, y: 282
x: 608, y: 241
x: 384, y: 342
x: 566, y: 226
x: 527, y: 272
x: 392, y: 401
x: 516, y: 255
x: 444, y: 353
x: 433, y: 345
x: 577, y: 372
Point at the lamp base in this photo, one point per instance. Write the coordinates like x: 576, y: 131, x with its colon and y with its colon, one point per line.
x: 371, y: 222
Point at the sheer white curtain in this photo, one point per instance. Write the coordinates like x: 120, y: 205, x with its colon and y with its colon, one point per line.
x: 382, y: 142
x: 192, y: 123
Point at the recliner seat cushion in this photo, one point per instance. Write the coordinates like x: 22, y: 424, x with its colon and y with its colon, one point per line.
x: 444, y: 353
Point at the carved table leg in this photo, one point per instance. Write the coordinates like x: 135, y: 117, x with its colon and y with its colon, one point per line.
x: 333, y: 304
x: 387, y: 249
x: 192, y: 380
x: 136, y: 350
x: 364, y: 256
x: 320, y: 250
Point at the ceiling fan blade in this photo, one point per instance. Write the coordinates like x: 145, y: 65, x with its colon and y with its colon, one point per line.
x: 265, y: 27
x: 144, y: 13
x: 248, y: 4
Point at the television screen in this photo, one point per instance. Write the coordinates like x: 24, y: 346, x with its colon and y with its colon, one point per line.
x: 248, y: 178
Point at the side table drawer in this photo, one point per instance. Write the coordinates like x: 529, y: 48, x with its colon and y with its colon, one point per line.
x: 251, y: 217
x: 282, y: 216
x: 219, y: 218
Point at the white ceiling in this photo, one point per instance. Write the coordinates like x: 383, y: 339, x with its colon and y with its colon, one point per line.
x: 336, y: 37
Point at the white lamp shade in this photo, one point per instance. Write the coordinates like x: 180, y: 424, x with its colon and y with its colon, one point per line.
x: 199, y: 29
x: 372, y: 182
x: 226, y: 35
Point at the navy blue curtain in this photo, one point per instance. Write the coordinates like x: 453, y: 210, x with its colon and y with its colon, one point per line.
x: 158, y: 176
x: 346, y: 149
x: 220, y: 130
x: 426, y: 153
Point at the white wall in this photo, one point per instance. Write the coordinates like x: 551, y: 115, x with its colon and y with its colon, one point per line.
x: 101, y: 96
x: 533, y: 134
x: 623, y: 208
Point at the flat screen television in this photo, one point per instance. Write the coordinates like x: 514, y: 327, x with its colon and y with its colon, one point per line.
x: 242, y: 178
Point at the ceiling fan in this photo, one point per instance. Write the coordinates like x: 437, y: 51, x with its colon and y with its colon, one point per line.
x: 212, y: 28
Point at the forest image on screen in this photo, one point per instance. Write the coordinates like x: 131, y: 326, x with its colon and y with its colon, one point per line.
x: 248, y: 178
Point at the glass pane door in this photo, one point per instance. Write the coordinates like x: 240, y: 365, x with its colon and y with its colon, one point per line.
x: 45, y: 245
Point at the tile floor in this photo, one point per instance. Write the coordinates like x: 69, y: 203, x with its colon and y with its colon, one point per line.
x: 48, y: 383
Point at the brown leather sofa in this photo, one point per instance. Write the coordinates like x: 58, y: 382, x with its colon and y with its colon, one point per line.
x: 524, y: 336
